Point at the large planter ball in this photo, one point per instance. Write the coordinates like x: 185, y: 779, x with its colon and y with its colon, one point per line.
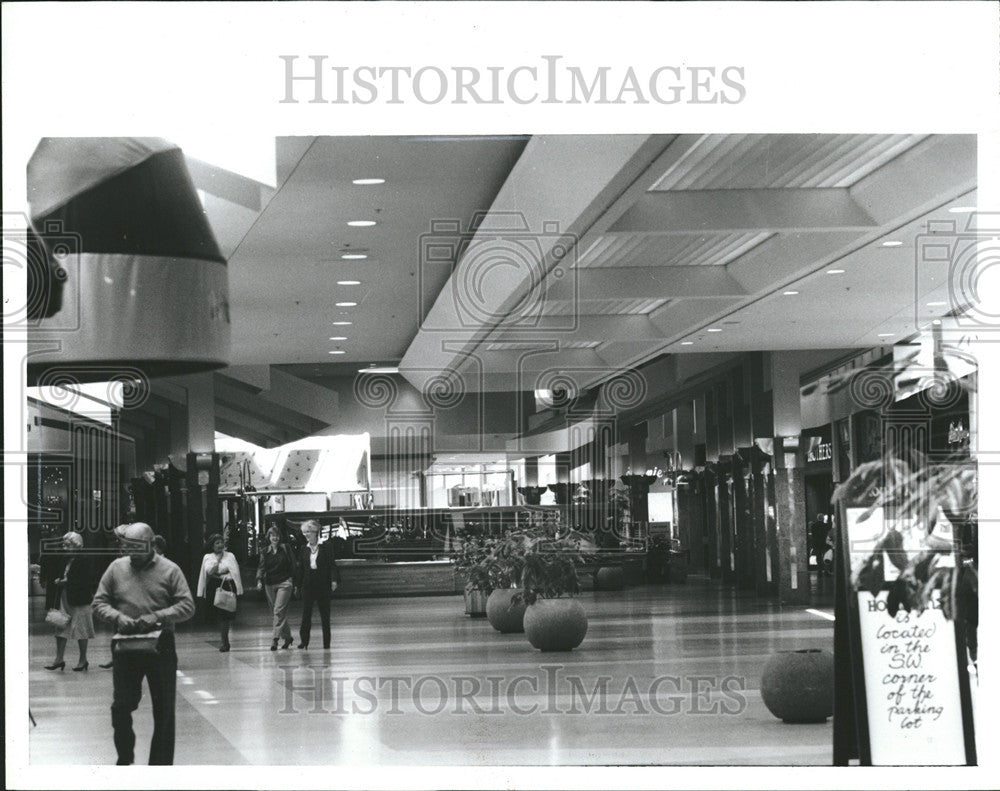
x: 475, y: 603
x: 609, y: 578
x: 797, y: 686
x: 555, y: 624
x: 504, y: 615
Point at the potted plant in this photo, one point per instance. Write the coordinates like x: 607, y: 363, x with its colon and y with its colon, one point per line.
x: 504, y: 608
x: 471, y: 563
x: 553, y: 620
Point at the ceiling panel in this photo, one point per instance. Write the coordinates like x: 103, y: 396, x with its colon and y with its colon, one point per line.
x: 626, y: 250
x: 781, y: 161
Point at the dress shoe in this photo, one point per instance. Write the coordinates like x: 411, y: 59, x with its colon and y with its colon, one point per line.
x: 274, y: 645
x: 107, y: 665
x: 287, y: 643
x: 56, y: 666
x: 224, y: 648
x: 84, y: 666
x: 303, y: 645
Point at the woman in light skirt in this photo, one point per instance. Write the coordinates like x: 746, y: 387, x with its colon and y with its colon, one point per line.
x: 219, y: 568
x: 76, y: 587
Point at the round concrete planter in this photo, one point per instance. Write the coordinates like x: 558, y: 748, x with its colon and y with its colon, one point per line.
x: 797, y: 686
x: 609, y: 578
x: 504, y: 615
x: 475, y: 603
x: 555, y: 624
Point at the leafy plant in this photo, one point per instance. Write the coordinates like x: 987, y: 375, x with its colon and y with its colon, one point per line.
x: 915, y: 495
x: 472, y: 560
x: 550, y: 566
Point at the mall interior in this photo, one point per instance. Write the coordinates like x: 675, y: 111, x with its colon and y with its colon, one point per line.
x: 663, y: 353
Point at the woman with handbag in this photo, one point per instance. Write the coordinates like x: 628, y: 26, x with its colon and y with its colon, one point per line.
x: 274, y: 577
x: 76, y: 593
x: 219, y: 583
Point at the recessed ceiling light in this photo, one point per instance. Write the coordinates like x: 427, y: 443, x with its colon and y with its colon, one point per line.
x: 379, y: 369
x: 962, y: 209
x: 342, y: 324
x: 935, y: 304
x: 367, y: 182
x: 835, y: 271
x: 338, y: 351
x: 714, y: 329
x: 348, y: 282
x: 347, y: 304
x: 361, y: 223
x: 789, y: 293
x: 936, y: 322
x: 892, y: 243
x: 338, y: 337
x: 687, y: 343
x: 354, y: 256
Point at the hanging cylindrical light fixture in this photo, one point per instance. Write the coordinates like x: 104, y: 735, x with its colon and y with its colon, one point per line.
x: 146, y: 288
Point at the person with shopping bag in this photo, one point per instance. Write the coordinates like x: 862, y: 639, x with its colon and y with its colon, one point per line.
x: 73, y: 617
x: 143, y: 596
x: 219, y: 583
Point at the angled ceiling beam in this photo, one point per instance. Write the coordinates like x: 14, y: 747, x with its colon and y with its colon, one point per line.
x: 260, y: 426
x: 241, y: 431
x: 735, y: 210
x: 228, y: 395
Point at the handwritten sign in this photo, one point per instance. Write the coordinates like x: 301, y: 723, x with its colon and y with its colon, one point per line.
x: 911, y: 680
x: 911, y: 674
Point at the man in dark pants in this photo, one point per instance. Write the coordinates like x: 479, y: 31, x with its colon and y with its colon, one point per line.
x: 318, y: 578
x: 141, y: 593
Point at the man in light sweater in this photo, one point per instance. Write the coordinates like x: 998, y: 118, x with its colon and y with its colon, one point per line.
x: 141, y: 593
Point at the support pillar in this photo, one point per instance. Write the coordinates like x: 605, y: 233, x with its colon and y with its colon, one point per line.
x: 790, y: 515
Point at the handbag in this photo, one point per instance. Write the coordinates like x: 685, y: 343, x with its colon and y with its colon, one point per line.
x: 147, y: 643
x: 58, y: 619
x: 225, y: 599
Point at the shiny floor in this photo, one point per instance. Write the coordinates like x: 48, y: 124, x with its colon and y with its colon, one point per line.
x: 667, y: 674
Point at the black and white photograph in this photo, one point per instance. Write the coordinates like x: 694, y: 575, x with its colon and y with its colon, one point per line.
x: 399, y: 396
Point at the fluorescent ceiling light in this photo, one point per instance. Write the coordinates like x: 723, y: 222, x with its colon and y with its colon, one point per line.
x: 347, y: 304
x: 338, y: 337
x: 354, y: 256
x: 361, y: 223
x: 348, y: 282
x: 379, y: 369
x: 338, y: 351
x: 835, y: 271
x: 893, y: 243
x: 367, y: 182
x: 687, y: 343
x: 789, y: 293
x: 714, y: 329
x: 886, y: 334
x: 341, y: 324
x: 935, y: 304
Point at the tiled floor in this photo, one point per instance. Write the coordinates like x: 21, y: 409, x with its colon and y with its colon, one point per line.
x: 666, y: 675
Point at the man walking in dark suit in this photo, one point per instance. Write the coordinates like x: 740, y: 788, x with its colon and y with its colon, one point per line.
x: 318, y: 577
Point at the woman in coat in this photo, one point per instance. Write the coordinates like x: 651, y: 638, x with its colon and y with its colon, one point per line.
x: 219, y: 569
x: 76, y: 587
x: 274, y: 576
